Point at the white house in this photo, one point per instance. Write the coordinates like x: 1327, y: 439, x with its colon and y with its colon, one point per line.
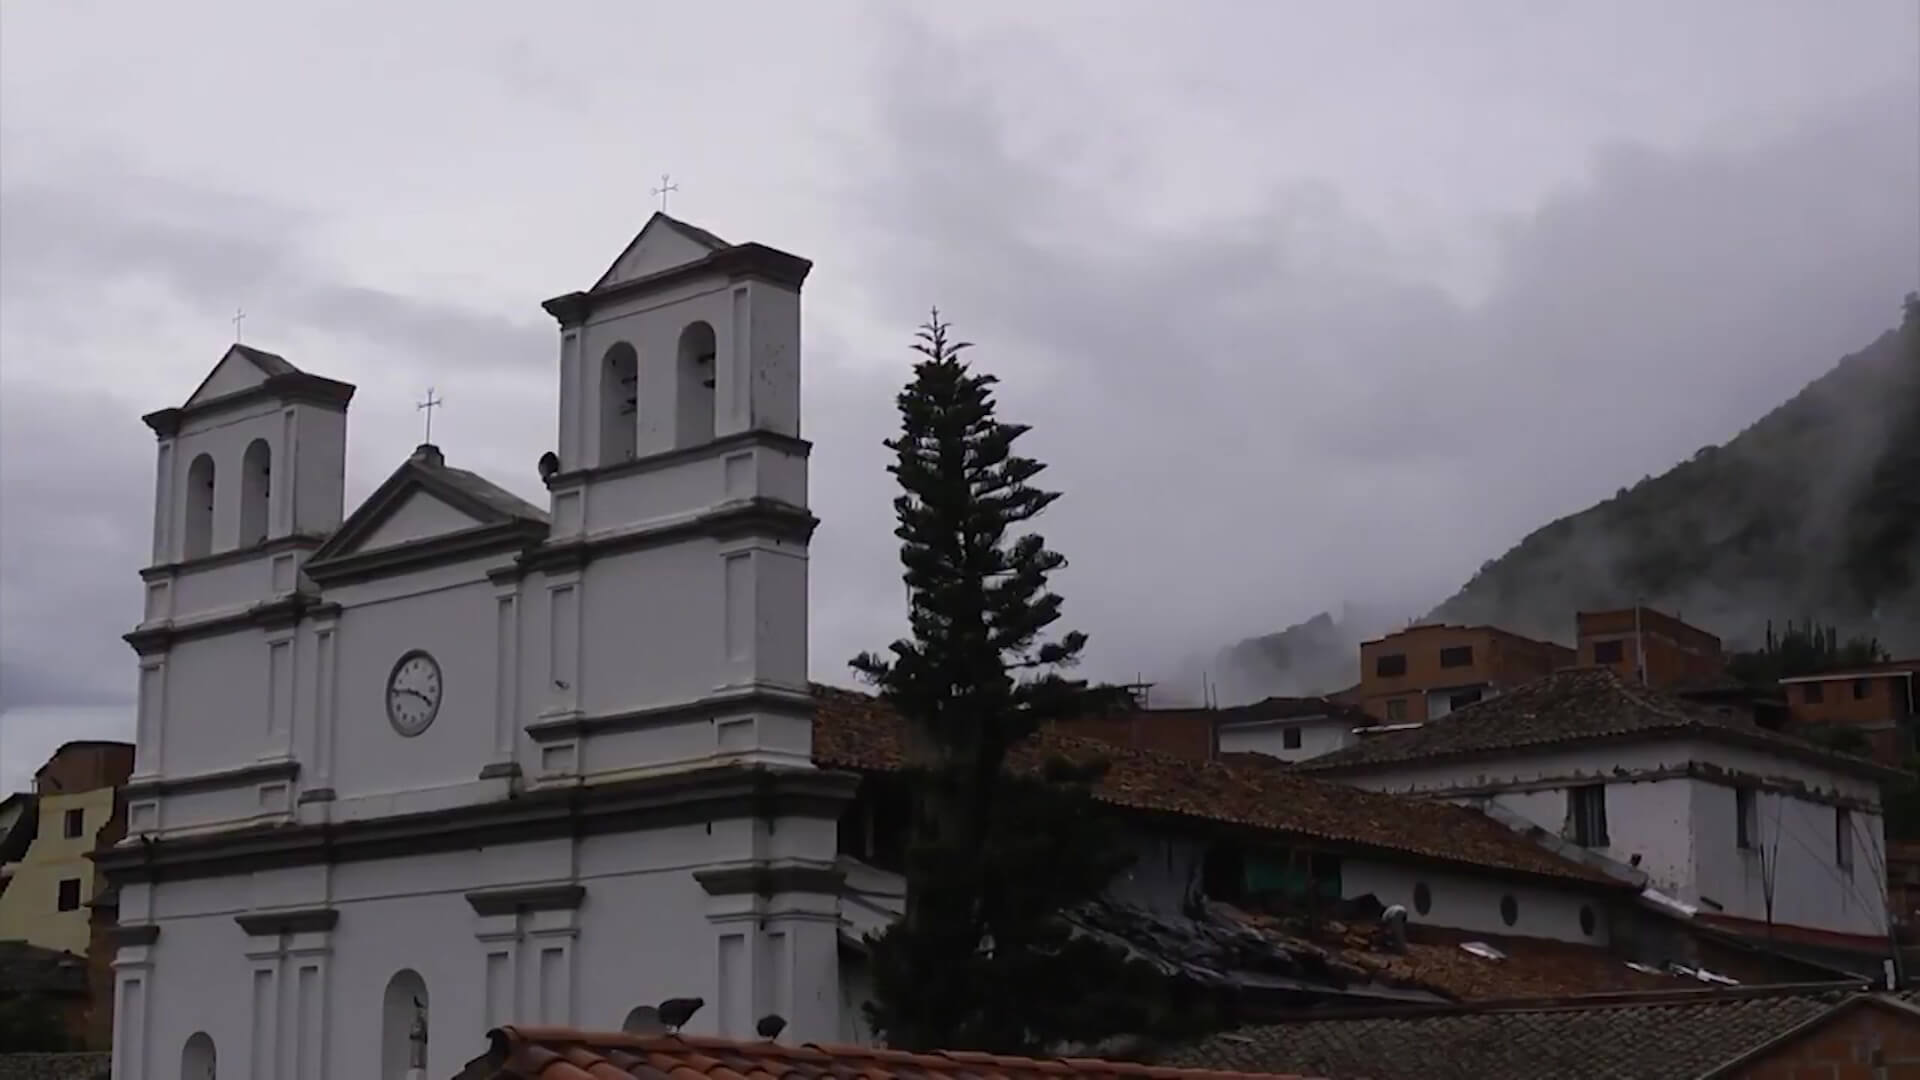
x: 1291, y: 729
x: 1761, y: 833
x: 460, y: 759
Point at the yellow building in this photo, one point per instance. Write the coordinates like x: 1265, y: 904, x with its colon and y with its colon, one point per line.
x: 47, y: 890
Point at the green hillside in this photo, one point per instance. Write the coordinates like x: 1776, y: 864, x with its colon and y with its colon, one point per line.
x: 1813, y: 511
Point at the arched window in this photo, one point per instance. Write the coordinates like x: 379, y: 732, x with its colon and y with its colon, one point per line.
x: 256, y: 486
x: 198, y: 537
x: 196, y: 1058
x: 694, y: 377
x: 619, y: 404
x: 403, y: 1025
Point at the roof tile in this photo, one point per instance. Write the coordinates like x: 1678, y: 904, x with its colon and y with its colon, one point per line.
x: 534, y: 1053
x: 1575, y: 705
x: 1654, y: 1037
x: 858, y: 731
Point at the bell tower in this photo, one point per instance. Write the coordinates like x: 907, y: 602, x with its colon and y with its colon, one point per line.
x: 252, y: 465
x: 676, y: 568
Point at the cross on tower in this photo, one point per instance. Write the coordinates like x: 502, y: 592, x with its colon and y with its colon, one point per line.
x: 662, y: 190
x: 428, y: 406
x: 239, y: 316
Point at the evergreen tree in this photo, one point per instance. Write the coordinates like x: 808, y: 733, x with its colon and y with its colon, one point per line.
x: 1805, y: 649
x: 982, y: 958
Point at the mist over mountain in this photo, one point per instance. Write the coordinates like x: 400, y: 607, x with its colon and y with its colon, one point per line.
x: 1811, y: 511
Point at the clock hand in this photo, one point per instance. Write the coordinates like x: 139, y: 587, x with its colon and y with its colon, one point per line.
x: 415, y: 693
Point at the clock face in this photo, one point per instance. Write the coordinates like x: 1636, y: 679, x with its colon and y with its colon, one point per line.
x: 413, y: 693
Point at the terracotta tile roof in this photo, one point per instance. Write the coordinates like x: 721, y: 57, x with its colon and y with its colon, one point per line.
x: 858, y: 731
x: 1576, y: 705
x: 1646, y: 1037
x: 527, y: 1053
x: 1434, y: 960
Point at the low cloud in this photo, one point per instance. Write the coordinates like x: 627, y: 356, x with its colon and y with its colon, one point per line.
x: 1258, y: 418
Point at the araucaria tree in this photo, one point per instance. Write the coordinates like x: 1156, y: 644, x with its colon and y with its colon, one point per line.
x: 982, y: 958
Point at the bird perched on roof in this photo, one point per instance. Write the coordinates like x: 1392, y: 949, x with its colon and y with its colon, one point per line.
x: 770, y: 1026
x: 675, y: 1012
x: 644, y: 1020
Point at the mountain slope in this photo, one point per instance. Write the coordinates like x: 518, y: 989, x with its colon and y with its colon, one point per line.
x: 1814, y: 510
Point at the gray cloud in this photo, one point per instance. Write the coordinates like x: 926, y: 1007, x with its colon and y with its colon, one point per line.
x: 1260, y: 418
x: 1269, y: 375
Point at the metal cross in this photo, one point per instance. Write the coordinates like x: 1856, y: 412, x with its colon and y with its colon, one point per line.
x: 239, y: 316
x: 662, y: 190
x: 429, y: 405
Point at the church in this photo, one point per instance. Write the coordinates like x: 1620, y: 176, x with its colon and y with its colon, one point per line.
x: 454, y: 760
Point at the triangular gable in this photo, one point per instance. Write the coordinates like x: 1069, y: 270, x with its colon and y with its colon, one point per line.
x: 662, y: 244
x: 242, y: 368
x: 417, y: 515
x: 421, y: 500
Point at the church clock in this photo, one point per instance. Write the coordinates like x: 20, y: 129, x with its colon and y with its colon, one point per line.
x: 413, y: 692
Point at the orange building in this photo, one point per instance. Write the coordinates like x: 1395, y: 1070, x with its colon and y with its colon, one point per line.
x: 1673, y: 653
x: 1881, y: 700
x: 1425, y: 672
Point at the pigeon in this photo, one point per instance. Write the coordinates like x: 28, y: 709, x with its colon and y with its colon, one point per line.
x: 770, y: 1026
x: 644, y: 1020
x: 675, y: 1012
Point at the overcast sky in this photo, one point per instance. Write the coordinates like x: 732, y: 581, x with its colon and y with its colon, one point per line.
x: 1308, y: 303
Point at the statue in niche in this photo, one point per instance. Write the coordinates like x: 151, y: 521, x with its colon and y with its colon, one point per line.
x: 417, y: 1037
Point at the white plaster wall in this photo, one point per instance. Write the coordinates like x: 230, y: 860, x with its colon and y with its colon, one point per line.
x: 419, y: 517
x: 215, y: 710
x: 1683, y: 828
x: 1798, y: 837
x: 1317, y: 736
x: 646, y: 931
x: 451, y: 618
x: 1467, y: 902
x: 669, y: 493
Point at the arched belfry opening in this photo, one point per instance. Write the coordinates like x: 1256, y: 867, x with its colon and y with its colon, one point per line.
x: 695, y: 376
x: 256, y: 491
x: 197, y: 537
x: 197, y: 1057
x: 619, y: 404
x: 403, y: 1025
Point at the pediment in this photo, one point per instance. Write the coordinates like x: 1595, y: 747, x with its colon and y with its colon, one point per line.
x: 240, y: 370
x: 662, y: 244
x: 423, y: 501
x: 418, y: 515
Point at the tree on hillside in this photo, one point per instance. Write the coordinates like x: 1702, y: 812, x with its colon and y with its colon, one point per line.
x: 1882, y: 560
x: 982, y: 958
x: 1806, y: 649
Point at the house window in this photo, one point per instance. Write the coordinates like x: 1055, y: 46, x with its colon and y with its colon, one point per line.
x: 1814, y: 693
x: 1223, y: 872
x: 1843, y: 838
x: 1397, y: 711
x: 1460, y: 699
x: 1509, y: 909
x: 1746, y: 820
x: 1422, y: 897
x: 1588, y: 920
x: 76, y: 824
x: 1290, y: 738
x: 1588, y: 805
x: 1862, y: 689
x: 1390, y: 665
x: 70, y: 894
x: 1609, y: 652
x: 1456, y: 656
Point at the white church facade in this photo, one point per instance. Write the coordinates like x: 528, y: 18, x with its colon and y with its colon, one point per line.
x: 459, y: 759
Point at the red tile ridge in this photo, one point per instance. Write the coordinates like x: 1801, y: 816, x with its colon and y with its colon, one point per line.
x: 564, y: 1053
